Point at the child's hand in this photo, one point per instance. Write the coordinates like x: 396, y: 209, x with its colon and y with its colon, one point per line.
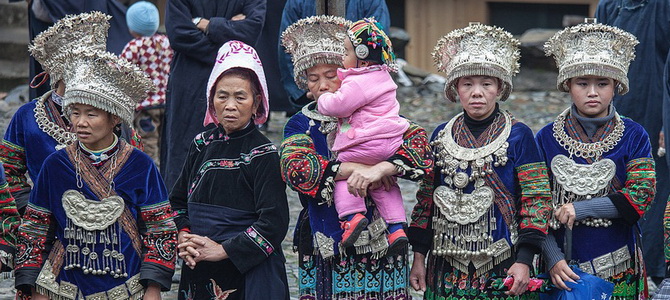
x: 309, y: 95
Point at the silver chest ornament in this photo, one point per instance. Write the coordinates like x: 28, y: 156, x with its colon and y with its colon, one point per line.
x: 575, y: 182
x: 93, y: 234
x: 463, y: 222
x: 582, y: 179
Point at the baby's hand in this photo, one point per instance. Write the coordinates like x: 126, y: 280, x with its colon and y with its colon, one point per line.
x: 310, y: 95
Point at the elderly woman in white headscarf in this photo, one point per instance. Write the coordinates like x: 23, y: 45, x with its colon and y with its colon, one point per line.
x: 230, y: 199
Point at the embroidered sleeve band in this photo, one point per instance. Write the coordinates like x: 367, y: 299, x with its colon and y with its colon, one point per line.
x: 639, y: 189
x: 14, y: 160
x: 32, y: 236
x: 259, y: 240
x: 303, y: 169
x: 160, y: 237
x: 419, y: 234
x: 535, y: 196
x: 10, y: 218
x: 414, y: 158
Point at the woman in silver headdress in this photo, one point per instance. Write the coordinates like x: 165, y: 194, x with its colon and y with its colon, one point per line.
x: 98, y: 225
x: 327, y: 270
x: 483, y: 212
x: 37, y: 128
x: 601, y: 168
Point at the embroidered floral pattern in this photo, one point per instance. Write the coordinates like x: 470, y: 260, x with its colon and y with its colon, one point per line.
x: 640, y: 185
x: 301, y: 167
x: 32, y: 236
x: 535, y: 196
x: 446, y: 283
x: 627, y: 285
x: 229, y: 164
x: 421, y: 214
x: 201, y: 140
x: 160, y: 237
x: 415, y: 153
x: 10, y: 216
x: 259, y: 240
x: 14, y: 160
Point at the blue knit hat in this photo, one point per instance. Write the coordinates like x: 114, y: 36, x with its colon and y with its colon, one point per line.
x: 142, y: 18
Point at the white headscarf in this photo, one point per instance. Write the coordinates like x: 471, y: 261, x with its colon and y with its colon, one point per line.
x: 236, y: 54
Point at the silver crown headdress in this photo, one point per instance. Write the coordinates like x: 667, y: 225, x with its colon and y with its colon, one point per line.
x: 592, y: 49
x: 51, y: 47
x: 105, y: 81
x: 315, y: 40
x: 477, y: 50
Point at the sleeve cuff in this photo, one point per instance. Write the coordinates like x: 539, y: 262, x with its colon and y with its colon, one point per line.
x: 420, y: 239
x: 525, y: 254
x: 327, y: 186
x: 531, y: 237
x: 161, y: 275
x: 25, y: 278
x: 627, y: 212
x: 182, y: 223
x: 552, y: 253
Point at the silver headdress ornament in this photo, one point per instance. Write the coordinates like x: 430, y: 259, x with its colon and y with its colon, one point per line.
x: 592, y: 49
x: 105, y: 81
x: 50, y: 47
x: 315, y: 40
x: 477, y: 50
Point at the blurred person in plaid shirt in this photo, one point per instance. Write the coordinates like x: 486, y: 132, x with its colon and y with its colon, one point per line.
x: 152, y: 53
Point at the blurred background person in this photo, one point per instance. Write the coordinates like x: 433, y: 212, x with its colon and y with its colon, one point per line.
x: 151, y: 52
x: 649, y: 22
x: 197, y: 29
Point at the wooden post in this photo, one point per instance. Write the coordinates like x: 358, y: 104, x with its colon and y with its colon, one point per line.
x: 321, y: 7
x: 331, y: 7
x: 337, y: 8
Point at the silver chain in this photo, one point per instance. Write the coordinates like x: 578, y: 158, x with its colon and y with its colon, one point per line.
x: 593, y: 150
x: 60, y: 134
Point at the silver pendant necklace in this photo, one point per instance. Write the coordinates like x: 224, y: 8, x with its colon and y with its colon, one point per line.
x: 454, y: 159
x: 587, y: 150
x: 576, y: 182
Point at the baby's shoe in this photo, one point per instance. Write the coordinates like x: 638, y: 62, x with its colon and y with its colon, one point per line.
x: 353, y: 228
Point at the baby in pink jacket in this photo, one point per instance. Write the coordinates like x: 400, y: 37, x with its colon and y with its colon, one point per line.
x: 369, y: 127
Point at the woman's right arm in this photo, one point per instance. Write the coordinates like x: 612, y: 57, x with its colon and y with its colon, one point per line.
x: 13, y: 153
x: 36, y: 233
x: 302, y: 168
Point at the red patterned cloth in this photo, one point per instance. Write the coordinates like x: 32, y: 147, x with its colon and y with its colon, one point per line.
x: 153, y: 55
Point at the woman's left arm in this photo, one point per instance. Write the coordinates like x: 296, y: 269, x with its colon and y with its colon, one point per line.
x: 639, y: 189
x: 158, y: 231
x: 264, y: 236
x: 414, y: 158
x: 534, y: 203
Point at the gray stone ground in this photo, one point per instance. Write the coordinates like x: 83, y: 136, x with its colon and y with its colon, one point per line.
x: 424, y: 105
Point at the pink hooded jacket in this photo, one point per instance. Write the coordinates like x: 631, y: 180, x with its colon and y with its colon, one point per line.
x: 237, y: 54
x: 366, y: 105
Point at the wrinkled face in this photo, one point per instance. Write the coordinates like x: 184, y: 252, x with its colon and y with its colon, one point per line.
x: 234, y: 103
x: 94, y: 127
x: 592, y: 95
x: 349, y: 60
x: 322, y: 78
x: 478, y: 95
